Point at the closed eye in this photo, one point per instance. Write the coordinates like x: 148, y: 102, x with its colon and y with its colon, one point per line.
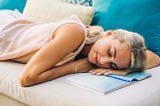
x: 113, y: 66
x: 109, y: 52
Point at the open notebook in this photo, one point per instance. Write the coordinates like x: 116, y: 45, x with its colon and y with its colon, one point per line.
x: 105, y: 84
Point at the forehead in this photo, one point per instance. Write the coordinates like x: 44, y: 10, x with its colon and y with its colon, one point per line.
x: 123, y: 54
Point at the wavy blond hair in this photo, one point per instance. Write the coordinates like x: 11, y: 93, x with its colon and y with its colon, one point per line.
x: 137, y: 46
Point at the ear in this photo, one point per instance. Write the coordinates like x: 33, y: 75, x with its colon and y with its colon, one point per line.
x: 106, y: 34
x: 109, y: 33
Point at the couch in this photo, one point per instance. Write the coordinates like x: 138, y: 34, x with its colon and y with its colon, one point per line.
x: 58, y: 92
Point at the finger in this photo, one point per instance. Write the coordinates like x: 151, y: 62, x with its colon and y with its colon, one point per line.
x: 95, y: 71
x: 107, y: 72
x: 92, y: 70
x: 101, y: 72
x: 123, y: 73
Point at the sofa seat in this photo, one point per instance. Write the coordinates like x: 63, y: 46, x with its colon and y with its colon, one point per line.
x: 59, y: 93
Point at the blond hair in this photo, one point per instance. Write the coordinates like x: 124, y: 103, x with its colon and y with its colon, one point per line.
x: 137, y: 46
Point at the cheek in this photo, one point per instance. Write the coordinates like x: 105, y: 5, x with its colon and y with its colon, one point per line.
x: 123, y: 62
x: 100, y: 42
x: 103, y: 43
x: 102, y: 49
x: 99, y: 45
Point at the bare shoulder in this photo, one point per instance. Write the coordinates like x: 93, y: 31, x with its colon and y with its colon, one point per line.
x: 70, y: 28
x: 71, y: 35
x: 153, y: 60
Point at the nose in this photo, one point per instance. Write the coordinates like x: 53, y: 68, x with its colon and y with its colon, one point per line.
x: 105, y: 60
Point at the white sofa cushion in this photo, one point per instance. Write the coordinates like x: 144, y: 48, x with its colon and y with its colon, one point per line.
x: 52, y: 10
x: 59, y: 93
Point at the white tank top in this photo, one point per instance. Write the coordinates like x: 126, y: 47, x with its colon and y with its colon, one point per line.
x: 20, y: 37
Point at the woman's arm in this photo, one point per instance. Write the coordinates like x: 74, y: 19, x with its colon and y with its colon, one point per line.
x: 153, y: 60
x: 67, y: 38
x: 79, y: 66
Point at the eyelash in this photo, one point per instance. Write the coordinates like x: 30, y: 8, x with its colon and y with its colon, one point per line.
x: 113, y: 66
x: 110, y: 65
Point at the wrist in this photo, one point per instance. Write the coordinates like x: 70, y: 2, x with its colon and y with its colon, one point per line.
x: 82, y: 66
x: 75, y: 68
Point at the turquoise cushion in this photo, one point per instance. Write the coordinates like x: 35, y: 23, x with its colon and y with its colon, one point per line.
x: 12, y: 4
x: 141, y: 16
x: 80, y: 2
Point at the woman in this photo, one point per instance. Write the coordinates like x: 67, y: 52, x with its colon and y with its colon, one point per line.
x: 50, y: 48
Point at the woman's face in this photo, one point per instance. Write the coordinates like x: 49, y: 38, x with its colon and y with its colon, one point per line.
x: 110, y: 53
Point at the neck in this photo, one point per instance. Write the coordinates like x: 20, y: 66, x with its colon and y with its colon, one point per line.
x: 86, y: 49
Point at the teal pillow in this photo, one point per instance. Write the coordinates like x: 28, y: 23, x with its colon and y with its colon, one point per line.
x: 12, y: 4
x: 80, y: 2
x: 141, y: 16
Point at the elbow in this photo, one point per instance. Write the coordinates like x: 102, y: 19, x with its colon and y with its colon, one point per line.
x: 23, y: 82
x: 26, y: 80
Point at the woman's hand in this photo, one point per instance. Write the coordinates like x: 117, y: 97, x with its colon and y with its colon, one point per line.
x: 100, y: 71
